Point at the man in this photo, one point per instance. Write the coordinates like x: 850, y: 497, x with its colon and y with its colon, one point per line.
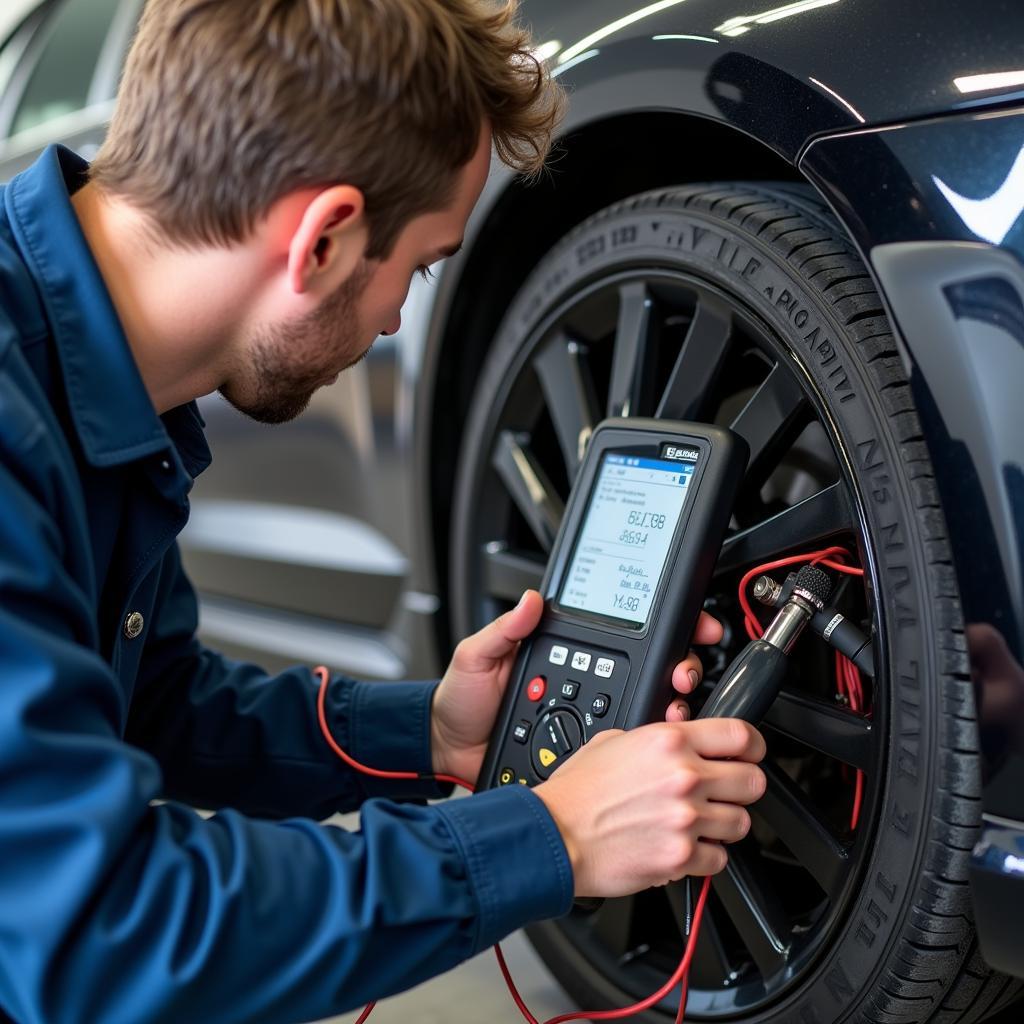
x: 275, y: 172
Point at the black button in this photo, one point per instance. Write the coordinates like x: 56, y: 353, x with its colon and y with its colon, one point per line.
x: 521, y: 732
x: 558, y: 735
x: 600, y: 705
x: 570, y: 689
x: 506, y: 776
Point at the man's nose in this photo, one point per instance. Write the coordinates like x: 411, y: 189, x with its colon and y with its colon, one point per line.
x: 394, y: 325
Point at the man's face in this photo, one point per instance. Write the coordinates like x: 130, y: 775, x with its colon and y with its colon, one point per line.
x: 290, y: 360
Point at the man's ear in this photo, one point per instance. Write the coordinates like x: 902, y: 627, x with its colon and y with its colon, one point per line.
x: 329, y: 242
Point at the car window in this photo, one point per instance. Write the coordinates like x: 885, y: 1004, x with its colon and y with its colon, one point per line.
x: 59, y: 83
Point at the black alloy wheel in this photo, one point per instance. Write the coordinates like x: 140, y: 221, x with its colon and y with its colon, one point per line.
x: 745, y: 306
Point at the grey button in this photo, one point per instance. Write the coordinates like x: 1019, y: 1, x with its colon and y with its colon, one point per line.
x: 133, y: 625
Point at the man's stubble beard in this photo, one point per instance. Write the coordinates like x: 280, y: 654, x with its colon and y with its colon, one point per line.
x: 289, y: 363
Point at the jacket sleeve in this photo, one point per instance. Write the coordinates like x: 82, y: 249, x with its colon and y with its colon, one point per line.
x: 113, y: 909
x: 228, y: 734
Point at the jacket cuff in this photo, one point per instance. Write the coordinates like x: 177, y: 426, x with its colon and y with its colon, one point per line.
x: 389, y: 728
x: 515, y: 859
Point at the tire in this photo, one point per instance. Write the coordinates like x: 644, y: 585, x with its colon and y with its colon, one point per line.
x: 896, y: 941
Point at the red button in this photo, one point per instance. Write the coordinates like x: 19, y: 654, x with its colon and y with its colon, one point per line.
x: 535, y: 687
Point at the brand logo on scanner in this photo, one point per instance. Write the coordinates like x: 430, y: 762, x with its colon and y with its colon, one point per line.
x: 671, y: 451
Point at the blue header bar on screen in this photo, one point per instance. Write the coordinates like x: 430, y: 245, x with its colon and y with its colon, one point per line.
x: 682, y: 469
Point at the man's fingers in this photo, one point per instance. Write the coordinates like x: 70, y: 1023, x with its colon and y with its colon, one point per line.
x: 709, y: 858
x: 709, y: 630
x: 725, y: 822
x: 677, y: 711
x: 687, y: 675
x: 689, y: 672
x: 726, y: 737
x: 734, y: 782
x: 500, y: 637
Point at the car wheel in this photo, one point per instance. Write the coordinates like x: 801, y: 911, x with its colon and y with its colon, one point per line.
x: 746, y: 306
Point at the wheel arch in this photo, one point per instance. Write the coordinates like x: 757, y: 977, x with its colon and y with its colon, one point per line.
x: 676, y: 148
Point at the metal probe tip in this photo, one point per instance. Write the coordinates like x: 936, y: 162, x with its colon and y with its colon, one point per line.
x: 766, y: 590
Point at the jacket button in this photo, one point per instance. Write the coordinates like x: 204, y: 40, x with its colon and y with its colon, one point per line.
x: 133, y: 625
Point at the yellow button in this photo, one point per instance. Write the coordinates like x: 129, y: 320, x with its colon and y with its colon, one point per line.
x: 133, y: 625
x: 523, y: 782
x: 506, y: 776
x: 546, y: 756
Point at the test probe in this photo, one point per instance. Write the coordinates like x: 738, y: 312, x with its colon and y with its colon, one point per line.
x: 749, y: 686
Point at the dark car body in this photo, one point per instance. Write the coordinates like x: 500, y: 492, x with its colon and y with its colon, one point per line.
x: 328, y: 538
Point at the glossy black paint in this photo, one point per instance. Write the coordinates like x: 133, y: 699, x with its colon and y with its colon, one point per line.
x: 894, y: 184
x: 843, y: 63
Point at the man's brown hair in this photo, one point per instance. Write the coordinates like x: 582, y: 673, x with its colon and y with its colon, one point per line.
x: 225, y: 106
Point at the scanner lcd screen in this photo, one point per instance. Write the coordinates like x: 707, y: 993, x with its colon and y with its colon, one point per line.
x: 626, y: 536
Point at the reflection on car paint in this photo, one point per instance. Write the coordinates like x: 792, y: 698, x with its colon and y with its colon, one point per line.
x: 998, y: 680
x: 992, y: 217
x: 742, y: 24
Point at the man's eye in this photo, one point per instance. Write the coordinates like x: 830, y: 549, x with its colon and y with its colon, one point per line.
x: 426, y: 273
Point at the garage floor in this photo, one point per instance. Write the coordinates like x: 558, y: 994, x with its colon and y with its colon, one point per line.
x: 475, y: 992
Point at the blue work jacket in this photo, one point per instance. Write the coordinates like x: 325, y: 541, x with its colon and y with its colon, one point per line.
x: 116, y: 909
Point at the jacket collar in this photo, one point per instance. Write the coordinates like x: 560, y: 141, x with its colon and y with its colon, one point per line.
x: 112, y: 413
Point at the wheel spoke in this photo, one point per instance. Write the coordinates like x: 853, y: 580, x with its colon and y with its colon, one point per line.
x: 786, y: 808
x: 528, y: 486
x: 507, y: 575
x: 755, y: 911
x: 568, y: 388
x: 699, y: 362
x: 710, y: 962
x: 770, y: 421
x: 805, y: 524
x: 612, y: 923
x: 841, y: 734
x: 634, y: 338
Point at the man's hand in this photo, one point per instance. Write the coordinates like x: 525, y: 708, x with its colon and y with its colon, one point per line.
x: 654, y: 804
x: 466, y: 703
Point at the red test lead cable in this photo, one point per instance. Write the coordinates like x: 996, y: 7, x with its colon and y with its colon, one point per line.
x: 680, y: 974
x: 324, y: 676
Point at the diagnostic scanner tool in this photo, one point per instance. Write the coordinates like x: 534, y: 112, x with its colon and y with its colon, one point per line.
x: 623, y: 590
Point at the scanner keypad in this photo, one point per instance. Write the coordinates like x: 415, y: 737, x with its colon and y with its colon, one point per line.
x: 569, y: 691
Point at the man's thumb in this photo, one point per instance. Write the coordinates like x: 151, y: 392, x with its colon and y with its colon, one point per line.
x: 499, y: 637
x: 522, y: 620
